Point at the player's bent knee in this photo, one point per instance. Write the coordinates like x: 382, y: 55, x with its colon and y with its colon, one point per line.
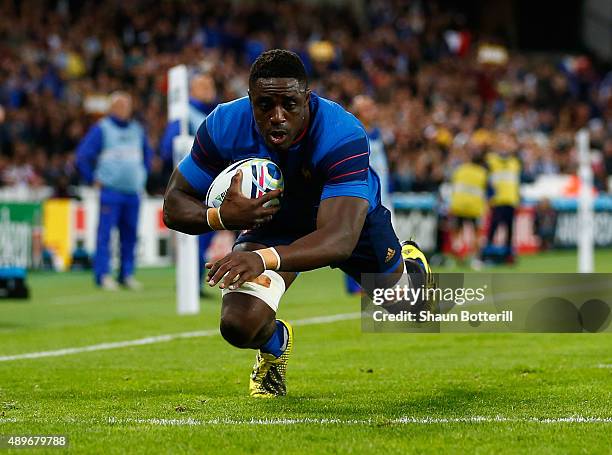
x: 240, y: 327
x: 237, y: 330
x: 268, y: 287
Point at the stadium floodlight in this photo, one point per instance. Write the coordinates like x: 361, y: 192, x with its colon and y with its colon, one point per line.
x: 586, y: 216
x: 187, y: 281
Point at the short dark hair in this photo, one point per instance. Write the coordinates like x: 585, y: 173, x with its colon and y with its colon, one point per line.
x: 278, y: 63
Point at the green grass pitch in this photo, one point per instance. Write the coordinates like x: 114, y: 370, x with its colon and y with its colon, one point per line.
x: 348, y: 392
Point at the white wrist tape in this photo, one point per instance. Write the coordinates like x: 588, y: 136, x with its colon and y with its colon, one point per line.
x: 270, y: 258
x: 213, y: 219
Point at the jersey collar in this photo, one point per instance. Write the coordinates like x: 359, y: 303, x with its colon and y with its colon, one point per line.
x: 302, y: 134
x: 117, y: 121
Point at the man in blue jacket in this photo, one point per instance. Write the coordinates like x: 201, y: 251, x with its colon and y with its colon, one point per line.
x: 115, y: 156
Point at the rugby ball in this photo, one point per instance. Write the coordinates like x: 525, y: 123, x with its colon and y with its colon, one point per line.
x: 259, y: 176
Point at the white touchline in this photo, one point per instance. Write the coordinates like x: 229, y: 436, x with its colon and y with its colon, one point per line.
x: 576, y: 419
x: 325, y: 421
x: 163, y: 338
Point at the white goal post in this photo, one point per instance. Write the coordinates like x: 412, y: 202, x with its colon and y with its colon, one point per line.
x: 586, y: 214
x: 187, y: 279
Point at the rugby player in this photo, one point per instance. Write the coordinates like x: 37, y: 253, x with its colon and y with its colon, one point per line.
x: 329, y: 215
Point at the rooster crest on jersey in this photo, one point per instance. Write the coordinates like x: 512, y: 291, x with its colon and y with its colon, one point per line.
x: 259, y: 176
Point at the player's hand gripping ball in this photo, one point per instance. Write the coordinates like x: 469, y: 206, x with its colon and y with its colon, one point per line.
x: 259, y: 176
x: 247, y: 193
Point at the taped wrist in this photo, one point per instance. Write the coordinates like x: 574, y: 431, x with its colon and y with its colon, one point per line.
x: 270, y: 258
x: 213, y: 219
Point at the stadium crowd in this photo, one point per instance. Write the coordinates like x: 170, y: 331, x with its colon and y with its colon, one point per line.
x: 438, y: 99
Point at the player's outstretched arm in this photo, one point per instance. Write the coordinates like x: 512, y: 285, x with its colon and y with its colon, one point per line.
x: 185, y: 212
x: 339, y: 224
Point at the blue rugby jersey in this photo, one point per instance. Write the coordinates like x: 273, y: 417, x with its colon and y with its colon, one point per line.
x: 329, y: 159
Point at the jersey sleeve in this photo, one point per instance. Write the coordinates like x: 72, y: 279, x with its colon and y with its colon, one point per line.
x: 204, y: 162
x: 87, y: 153
x: 345, y: 169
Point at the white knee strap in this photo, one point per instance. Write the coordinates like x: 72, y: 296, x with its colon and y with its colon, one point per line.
x: 269, y: 287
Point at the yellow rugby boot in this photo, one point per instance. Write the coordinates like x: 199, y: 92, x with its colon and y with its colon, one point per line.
x: 268, y: 376
x: 411, y: 253
x: 416, y: 263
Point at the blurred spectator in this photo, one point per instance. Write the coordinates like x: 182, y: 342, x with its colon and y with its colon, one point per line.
x: 116, y: 157
x: 20, y: 171
x: 545, y: 224
x: 202, y: 100
x: 504, y: 177
x: 467, y: 206
x: 366, y: 111
x: 607, y: 153
x: 4, y: 136
x: 437, y: 84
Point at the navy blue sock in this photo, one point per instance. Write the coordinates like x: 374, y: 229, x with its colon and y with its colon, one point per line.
x: 277, y: 343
